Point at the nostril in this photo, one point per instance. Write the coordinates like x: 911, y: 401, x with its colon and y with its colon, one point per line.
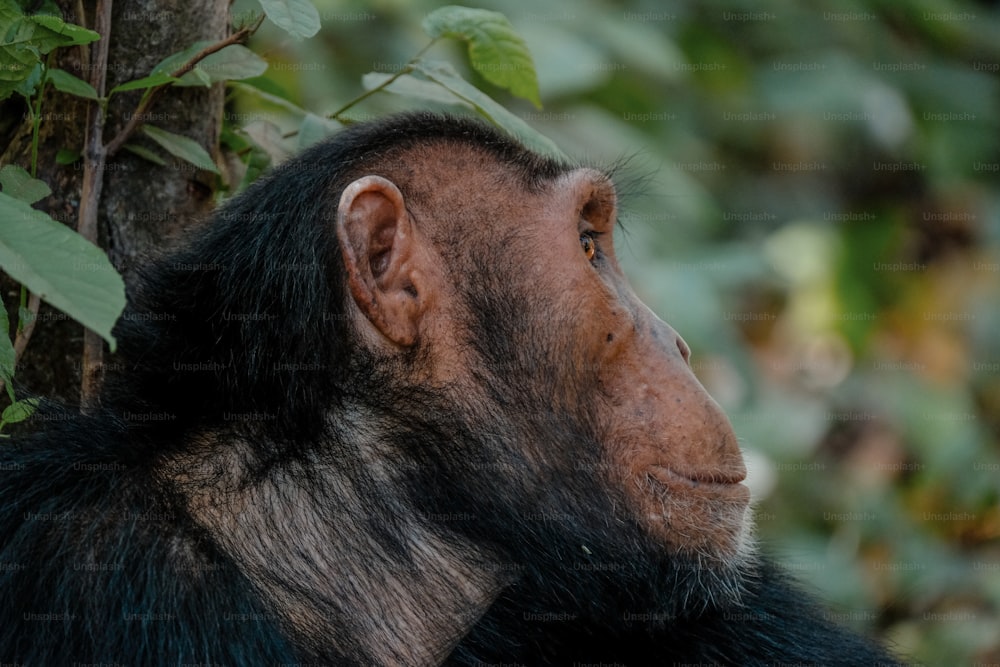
x: 685, y: 350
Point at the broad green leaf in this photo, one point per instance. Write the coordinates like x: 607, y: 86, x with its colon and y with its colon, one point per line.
x: 25, y: 40
x: 9, y: 13
x: 60, y: 266
x: 20, y: 71
x: 145, y: 154
x: 411, y: 86
x: 18, y: 411
x: 232, y: 62
x: 298, y: 18
x: 67, y: 83
x: 67, y: 156
x: 444, y: 75
x: 496, y: 50
x: 180, y: 146
x: 52, y: 32
x: 18, y: 183
x: 42, y: 32
x: 158, y: 79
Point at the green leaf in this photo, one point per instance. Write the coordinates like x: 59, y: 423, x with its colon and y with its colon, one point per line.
x: 67, y: 83
x: 180, y: 146
x: 232, y: 62
x: 25, y: 40
x: 18, y: 411
x: 496, y: 51
x: 60, y: 266
x: 52, y: 32
x: 444, y: 75
x: 18, y: 183
x: 298, y: 18
x: 151, y: 81
x: 145, y: 154
x: 410, y: 86
x: 67, y: 156
x: 20, y: 71
x: 42, y: 32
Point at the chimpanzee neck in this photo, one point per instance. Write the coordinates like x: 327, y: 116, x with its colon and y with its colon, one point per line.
x: 366, y: 583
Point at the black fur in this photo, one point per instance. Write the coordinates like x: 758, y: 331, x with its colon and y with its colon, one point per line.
x: 241, y: 337
x: 776, y: 624
x: 97, y: 568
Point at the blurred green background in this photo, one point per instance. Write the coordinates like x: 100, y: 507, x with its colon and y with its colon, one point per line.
x: 811, y: 199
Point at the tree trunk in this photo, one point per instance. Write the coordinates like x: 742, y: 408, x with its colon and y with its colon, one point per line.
x: 143, y: 205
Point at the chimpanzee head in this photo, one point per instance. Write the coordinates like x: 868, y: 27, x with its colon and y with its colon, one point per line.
x: 559, y: 418
x: 424, y: 354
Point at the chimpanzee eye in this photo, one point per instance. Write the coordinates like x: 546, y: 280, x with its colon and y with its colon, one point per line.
x: 589, y: 246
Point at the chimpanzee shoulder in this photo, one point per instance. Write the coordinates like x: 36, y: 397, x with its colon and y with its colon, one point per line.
x: 99, y: 564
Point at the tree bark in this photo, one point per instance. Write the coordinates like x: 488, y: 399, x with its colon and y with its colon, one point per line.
x: 143, y: 206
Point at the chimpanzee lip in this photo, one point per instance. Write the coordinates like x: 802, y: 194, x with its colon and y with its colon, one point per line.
x: 715, y: 480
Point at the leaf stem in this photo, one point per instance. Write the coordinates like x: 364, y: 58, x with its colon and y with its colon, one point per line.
x: 36, y: 119
x: 405, y: 69
x: 94, y: 157
x: 238, y: 37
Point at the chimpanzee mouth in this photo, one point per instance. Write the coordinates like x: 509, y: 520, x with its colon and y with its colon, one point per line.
x: 711, y: 482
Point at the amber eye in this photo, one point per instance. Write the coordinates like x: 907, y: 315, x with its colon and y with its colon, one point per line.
x: 589, y: 246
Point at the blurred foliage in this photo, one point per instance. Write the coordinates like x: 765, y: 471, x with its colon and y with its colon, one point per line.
x: 810, y: 198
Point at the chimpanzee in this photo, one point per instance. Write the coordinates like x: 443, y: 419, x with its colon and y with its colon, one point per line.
x: 396, y: 404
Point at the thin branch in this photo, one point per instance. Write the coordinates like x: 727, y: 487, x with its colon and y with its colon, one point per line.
x: 90, y: 192
x: 94, y: 153
x: 405, y: 69
x: 238, y: 37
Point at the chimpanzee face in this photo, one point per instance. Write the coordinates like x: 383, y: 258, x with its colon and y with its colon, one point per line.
x: 515, y: 298
x: 665, y: 442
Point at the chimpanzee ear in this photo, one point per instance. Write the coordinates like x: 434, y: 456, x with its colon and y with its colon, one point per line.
x: 380, y: 251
